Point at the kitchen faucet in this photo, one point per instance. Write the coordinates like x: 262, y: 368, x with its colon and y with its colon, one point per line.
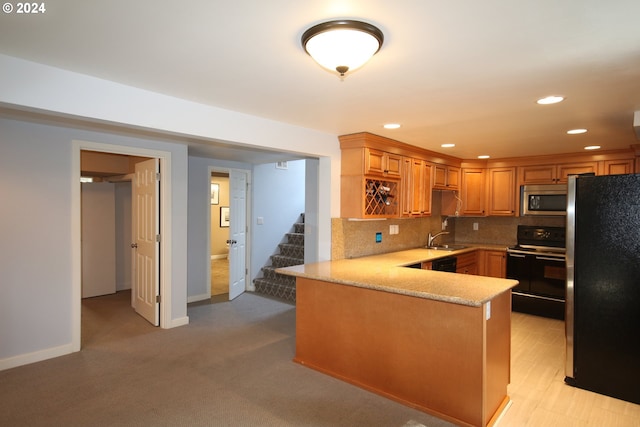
x: 431, y: 238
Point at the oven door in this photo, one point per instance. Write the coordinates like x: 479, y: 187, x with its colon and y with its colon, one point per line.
x: 519, y: 268
x: 548, y: 276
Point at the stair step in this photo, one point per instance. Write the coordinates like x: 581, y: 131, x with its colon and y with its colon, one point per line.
x: 298, y: 228
x: 295, y: 238
x: 277, y: 290
x: 269, y: 273
x: 292, y: 251
x: 285, y: 261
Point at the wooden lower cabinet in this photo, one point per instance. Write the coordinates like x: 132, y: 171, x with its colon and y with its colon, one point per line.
x: 493, y: 263
x: 467, y: 263
x: 446, y: 359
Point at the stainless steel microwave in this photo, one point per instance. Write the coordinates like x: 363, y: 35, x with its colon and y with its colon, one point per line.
x: 543, y: 199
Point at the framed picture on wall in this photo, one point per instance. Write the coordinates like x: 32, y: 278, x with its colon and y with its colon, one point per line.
x: 215, y: 194
x: 224, y: 216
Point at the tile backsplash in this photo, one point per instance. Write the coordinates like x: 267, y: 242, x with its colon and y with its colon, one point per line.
x: 357, y: 238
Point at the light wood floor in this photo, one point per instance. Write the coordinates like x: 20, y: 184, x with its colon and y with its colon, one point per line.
x: 540, y: 398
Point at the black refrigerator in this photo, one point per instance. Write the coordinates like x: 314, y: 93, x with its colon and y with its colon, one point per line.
x: 603, y: 285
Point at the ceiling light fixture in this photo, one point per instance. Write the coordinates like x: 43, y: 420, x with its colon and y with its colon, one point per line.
x: 342, y: 45
x: 391, y: 126
x: 551, y: 99
x: 592, y: 147
x: 576, y: 131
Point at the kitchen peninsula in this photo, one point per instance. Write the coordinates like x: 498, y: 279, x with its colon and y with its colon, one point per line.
x: 436, y: 341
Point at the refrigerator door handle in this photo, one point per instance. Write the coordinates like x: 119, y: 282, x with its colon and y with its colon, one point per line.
x: 569, y: 263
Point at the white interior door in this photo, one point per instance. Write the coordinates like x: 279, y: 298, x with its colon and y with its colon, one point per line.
x: 98, y: 239
x: 145, y: 226
x: 237, y: 232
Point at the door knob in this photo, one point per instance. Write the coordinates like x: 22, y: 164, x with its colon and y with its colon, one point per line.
x: 232, y: 242
x: 134, y: 245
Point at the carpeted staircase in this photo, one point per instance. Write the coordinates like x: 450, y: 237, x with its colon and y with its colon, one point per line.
x: 290, y: 253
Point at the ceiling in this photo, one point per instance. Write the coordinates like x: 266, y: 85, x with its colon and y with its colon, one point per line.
x: 463, y: 72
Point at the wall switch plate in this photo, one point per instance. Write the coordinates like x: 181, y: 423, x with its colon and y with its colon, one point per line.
x: 394, y: 229
x: 378, y: 237
x: 260, y: 220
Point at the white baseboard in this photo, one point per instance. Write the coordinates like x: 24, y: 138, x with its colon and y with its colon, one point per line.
x: 195, y: 298
x: 36, y: 356
x: 179, y: 322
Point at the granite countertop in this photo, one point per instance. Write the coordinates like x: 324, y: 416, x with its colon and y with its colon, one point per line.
x: 387, y: 272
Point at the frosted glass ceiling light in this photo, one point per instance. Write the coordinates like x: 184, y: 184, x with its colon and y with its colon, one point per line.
x: 551, y: 99
x: 342, y: 46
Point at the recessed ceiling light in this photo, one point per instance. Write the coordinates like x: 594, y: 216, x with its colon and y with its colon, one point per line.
x: 484, y: 156
x: 576, y: 131
x: 551, y: 99
x: 592, y: 147
x: 448, y: 145
x: 391, y: 126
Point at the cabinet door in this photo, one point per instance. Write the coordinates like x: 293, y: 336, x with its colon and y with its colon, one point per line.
x: 502, y: 192
x: 439, y: 176
x: 618, y: 167
x: 541, y: 174
x: 564, y: 170
x: 453, y: 178
x: 426, y: 188
x: 406, y: 185
x: 467, y: 263
x: 374, y: 162
x: 392, y: 165
x: 472, y: 192
x: 417, y: 178
x: 495, y: 264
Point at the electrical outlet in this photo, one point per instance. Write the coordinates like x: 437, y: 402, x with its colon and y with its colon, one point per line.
x: 475, y: 226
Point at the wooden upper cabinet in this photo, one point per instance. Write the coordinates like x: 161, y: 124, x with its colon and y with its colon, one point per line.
x: 472, y: 192
x: 617, y: 167
x: 502, y: 192
x: 554, y: 174
x: 446, y: 177
x: 564, y: 170
x: 381, y: 163
x: 406, y: 187
x: 416, y: 188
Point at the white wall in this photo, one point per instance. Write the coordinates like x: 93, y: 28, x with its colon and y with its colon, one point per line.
x: 278, y: 198
x: 123, y: 236
x: 36, y: 295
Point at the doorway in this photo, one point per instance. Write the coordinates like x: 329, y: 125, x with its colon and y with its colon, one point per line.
x: 219, y: 236
x: 103, y: 209
x: 228, y: 228
x: 164, y: 213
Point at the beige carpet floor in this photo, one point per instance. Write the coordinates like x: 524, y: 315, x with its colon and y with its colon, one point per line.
x: 219, y: 276
x: 231, y: 366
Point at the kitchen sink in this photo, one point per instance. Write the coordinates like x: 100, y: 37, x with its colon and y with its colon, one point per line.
x: 448, y: 248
